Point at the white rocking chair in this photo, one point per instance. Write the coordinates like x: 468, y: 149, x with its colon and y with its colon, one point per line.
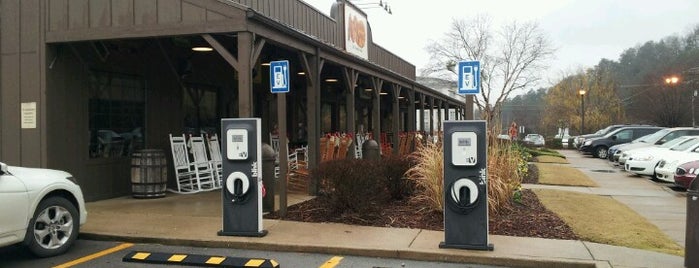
x: 185, y: 172
x: 206, y: 175
x: 216, y: 159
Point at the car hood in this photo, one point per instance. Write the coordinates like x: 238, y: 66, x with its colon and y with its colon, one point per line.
x: 36, y: 177
x: 632, y: 146
x: 678, y: 158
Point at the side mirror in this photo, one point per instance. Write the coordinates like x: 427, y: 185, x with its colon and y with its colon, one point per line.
x: 613, y: 137
x: 3, y: 169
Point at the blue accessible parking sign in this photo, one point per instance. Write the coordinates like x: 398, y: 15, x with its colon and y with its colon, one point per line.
x: 469, y: 77
x: 279, y: 76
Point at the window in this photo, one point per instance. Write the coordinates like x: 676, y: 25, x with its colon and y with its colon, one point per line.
x: 200, y: 104
x: 626, y: 134
x: 116, y: 114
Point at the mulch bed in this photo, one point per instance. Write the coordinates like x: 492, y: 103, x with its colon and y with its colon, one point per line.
x: 528, y: 218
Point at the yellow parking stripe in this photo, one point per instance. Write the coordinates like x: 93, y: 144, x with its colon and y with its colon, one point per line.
x: 177, y: 258
x: 215, y: 260
x: 254, y: 263
x: 332, y: 262
x: 94, y: 256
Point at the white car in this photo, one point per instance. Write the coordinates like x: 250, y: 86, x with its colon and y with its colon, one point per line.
x: 642, y: 161
x: 41, y: 208
x: 665, y: 171
x: 658, y: 138
x: 534, y: 139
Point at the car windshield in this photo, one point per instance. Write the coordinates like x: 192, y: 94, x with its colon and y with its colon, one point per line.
x: 674, y: 142
x: 652, y: 138
x: 685, y: 145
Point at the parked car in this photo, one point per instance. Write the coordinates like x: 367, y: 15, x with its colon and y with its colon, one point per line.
x: 685, y: 173
x: 642, y: 161
x: 579, y: 140
x: 598, y: 146
x: 46, y: 207
x: 657, y: 138
x: 612, y: 152
x: 665, y: 171
x: 534, y: 139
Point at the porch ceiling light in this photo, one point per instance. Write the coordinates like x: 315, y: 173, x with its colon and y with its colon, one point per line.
x: 383, y: 93
x: 368, y: 89
x: 301, y: 73
x: 331, y: 80
x: 265, y: 64
x: 202, y: 49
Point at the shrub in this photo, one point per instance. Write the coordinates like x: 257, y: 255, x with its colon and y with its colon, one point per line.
x: 507, y: 165
x: 395, y: 168
x: 427, y: 174
x: 354, y: 185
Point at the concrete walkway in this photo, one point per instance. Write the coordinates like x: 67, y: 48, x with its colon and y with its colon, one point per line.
x: 195, y: 219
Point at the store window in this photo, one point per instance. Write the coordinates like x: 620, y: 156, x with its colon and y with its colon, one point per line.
x: 116, y: 114
x: 200, y: 104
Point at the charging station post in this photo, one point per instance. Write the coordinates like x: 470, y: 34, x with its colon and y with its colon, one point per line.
x: 242, y: 185
x: 465, y: 185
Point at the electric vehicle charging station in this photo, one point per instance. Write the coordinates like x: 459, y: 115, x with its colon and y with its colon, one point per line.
x: 242, y: 180
x: 465, y: 185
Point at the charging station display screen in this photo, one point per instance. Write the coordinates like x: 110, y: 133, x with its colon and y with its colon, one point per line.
x: 464, y: 142
x: 237, y: 138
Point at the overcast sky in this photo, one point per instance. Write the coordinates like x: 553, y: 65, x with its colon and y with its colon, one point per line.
x: 582, y: 31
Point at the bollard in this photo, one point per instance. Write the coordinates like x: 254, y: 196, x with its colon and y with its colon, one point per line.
x: 371, y: 150
x: 691, y: 239
x: 269, y: 157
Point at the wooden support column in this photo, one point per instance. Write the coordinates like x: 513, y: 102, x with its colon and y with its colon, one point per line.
x: 395, y: 138
x: 377, y: 84
x: 431, y: 132
x: 313, y: 65
x: 351, y: 77
x: 245, y: 100
x: 411, y: 110
x: 446, y: 112
x: 439, y: 115
x: 422, y: 113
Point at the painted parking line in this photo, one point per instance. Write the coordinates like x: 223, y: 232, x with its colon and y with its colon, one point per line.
x: 197, y: 260
x: 332, y: 262
x: 95, y: 255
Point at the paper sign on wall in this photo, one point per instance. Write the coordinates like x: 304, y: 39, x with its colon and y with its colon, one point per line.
x: 28, y: 113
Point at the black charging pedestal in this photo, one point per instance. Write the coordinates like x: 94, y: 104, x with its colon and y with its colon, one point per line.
x: 242, y: 182
x: 465, y: 185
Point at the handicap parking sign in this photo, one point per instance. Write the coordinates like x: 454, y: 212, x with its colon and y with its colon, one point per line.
x: 279, y: 76
x: 469, y: 77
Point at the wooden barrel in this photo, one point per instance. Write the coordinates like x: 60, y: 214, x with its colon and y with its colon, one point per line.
x: 148, y: 173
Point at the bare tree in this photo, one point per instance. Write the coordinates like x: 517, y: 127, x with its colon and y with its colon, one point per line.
x: 511, y: 59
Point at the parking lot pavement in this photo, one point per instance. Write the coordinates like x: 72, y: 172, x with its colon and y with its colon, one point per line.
x: 655, y: 201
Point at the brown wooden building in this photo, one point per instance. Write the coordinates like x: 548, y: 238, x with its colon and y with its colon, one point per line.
x: 76, y: 72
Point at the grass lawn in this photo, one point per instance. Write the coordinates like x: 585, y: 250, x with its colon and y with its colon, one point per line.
x: 556, y: 174
x: 601, y: 219
x: 550, y: 159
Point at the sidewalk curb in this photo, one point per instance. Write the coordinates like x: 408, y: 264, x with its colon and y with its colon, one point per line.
x: 474, y: 258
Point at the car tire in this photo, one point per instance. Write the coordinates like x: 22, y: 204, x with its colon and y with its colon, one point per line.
x: 600, y: 152
x: 53, y: 228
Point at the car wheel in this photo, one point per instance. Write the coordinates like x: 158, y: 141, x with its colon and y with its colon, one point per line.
x: 53, y: 228
x: 601, y: 152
